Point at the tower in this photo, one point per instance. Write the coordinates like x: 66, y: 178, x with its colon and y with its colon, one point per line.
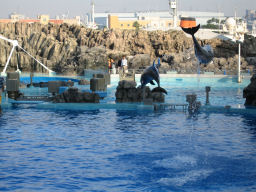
x: 92, y: 12
x: 173, y: 11
x: 91, y: 24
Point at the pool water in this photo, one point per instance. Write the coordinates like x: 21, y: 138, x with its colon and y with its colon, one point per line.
x: 224, y: 91
x: 43, y: 149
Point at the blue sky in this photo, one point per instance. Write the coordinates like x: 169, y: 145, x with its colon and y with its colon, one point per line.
x: 31, y: 8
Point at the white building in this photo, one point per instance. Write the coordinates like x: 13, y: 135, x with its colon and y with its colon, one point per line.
x: 235, y: 28
x: 101, y: 19
x: 16, y: 17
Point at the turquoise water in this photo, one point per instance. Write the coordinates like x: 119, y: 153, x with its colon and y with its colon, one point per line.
x: 224, y: 91
x: 116, y: 149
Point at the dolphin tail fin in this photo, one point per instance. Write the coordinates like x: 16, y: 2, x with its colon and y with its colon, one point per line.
x: 159, y: 89
x: 192, y: 30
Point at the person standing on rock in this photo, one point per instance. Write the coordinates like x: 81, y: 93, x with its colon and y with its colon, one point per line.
x: 110, y: 61
x: 124, y: 65
x: 113, y: 66
x: 119, y: 65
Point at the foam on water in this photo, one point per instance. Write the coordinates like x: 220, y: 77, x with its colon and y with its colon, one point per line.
x: 186, y: 177
x: 176, y: 162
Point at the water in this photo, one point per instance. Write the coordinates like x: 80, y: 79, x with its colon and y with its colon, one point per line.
x: 224, y: 91
x: 125, y: 150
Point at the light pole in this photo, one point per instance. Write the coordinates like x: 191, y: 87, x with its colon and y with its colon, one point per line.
x: 173, y: 6
x: 239, y: 63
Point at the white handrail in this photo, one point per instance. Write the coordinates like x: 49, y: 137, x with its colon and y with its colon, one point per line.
x: 9, y: 58
x: 15, y: 43
x: 4, y: 38
x: 35, y: 59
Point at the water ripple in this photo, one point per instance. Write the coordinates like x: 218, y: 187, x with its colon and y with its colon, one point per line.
x: 112, y: 150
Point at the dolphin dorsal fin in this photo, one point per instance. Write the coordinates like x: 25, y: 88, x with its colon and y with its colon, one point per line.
x: 155, y: 66
x: 158, y: 62
x: 154, y: 63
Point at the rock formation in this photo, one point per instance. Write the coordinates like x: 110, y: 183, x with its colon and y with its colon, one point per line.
x: 249, y: 92
x: 73, y: 95
x: 126, y: 91
x: 70, y: 49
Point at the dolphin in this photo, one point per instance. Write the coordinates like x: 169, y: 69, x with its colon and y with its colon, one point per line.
x: 150, y: 74
x: 203, y: 54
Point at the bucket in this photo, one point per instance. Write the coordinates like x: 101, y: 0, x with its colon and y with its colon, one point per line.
x: 187, y: 22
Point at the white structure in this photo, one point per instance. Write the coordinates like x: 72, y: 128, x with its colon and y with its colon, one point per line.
x: 156, y: 23
x: 91, y: 23
x: 101, y: 19
x: 230, y: 25
x: 92, y: 12
x: 235, y: 29
x: 16, y: 17
x: 173, y: 7
x: 16, y: 44
x: 251, y: 21
x: 254, y: 29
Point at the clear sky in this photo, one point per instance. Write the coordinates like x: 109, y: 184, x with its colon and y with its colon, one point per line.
x: 32, y: 8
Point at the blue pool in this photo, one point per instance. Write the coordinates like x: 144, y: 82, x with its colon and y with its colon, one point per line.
x: 116, y: 149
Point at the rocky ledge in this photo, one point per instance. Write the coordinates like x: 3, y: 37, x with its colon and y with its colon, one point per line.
x: 73, y: 95
x: 71, y: 49
x: 249, y: 92
x: 126, y: 91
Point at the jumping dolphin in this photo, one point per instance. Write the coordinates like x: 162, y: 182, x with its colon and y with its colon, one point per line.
x: 150, y: 74
x: 203, y: 54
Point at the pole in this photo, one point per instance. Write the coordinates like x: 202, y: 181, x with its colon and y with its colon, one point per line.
x: 93, y: 12
x: 8, y: 60
x: 16, y: 44
x: 36, y: 60
x: 175, y: 15
x: 207, y: 90
x: 239, y: 63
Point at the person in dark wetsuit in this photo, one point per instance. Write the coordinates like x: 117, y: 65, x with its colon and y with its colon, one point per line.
x: 119, y: 65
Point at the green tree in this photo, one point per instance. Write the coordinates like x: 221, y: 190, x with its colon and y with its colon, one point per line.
x: 136, y: 25
x: 212, y: 20
x: 210, y: 26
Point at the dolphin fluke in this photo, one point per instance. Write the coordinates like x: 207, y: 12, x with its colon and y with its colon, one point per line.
x: 192, y: 30
x: 159, y: 89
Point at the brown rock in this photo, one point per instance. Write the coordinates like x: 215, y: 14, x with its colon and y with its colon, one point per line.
x: 249, y: 92
x: 70, y: 49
